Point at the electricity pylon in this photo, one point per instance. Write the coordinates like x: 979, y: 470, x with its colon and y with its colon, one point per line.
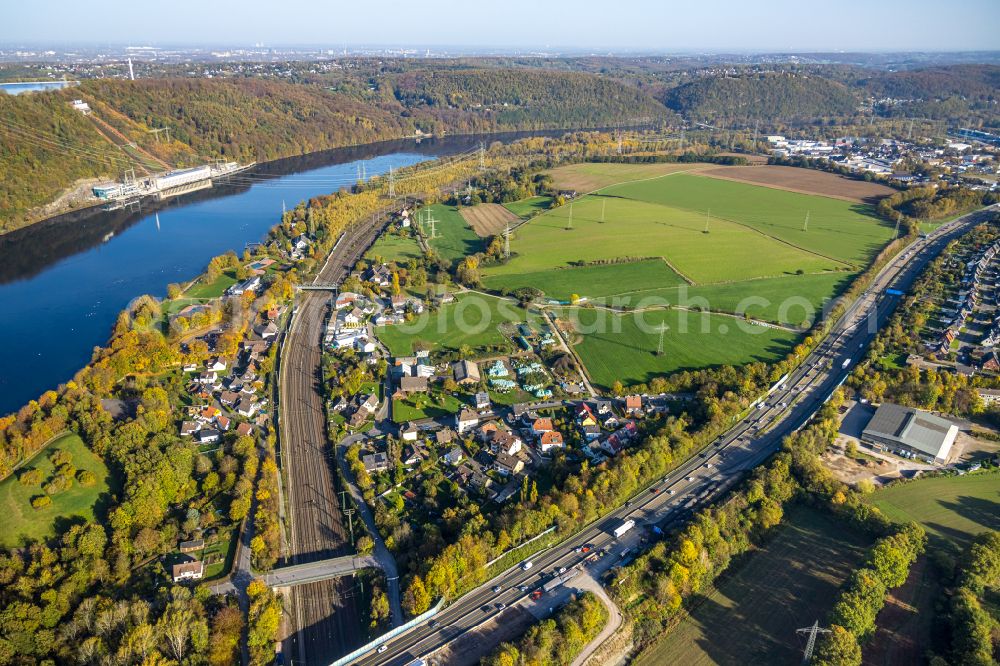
x: 392, y: 184
x: 506, y: 242
x: 811, y: 645
x: 805, y: 224
x: 663, y: 329
x: 569, y: 223
x: 603, y: 204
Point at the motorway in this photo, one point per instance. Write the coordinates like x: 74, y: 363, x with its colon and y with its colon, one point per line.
x: 703, y: 477
x: 325, y: 617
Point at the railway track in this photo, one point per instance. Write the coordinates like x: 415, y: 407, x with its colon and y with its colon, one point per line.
x: 325, y: 615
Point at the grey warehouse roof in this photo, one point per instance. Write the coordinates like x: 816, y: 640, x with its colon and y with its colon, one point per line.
x: 918, y: 430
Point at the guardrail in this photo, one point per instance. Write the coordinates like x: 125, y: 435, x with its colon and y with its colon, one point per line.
x: 389, y: 635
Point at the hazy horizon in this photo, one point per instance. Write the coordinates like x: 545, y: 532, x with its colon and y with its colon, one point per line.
x: 709, y: 27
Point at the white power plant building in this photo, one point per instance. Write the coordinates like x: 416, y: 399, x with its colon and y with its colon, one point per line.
x: 181, y: 177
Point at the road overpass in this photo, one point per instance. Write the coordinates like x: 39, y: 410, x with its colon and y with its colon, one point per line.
x: 313, y: 572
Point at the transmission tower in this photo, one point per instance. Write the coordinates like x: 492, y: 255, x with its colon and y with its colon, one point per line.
x: 663, y: 329
x: 429, y: 220
x: 811, y: 645
x: 569, y: 223
x: 603, y: 204
x: 909, y: 132
x: 482, y: 155
x: 156, y: 133
x: 506, y: 242
x: 347, y: 511
x: 756, y: 125
x: 708, y: 216
x: 805, y: 224
x: 392, y: 184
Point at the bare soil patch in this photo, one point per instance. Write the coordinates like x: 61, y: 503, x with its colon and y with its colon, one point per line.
x: 803, y: 181
x: 905, y: 623
x: 488, y: 219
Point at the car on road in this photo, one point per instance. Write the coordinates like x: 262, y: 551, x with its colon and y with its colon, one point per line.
x: 497, y: 589
x: 654, y: 490
x: 690, y: 478
x: 382, y: 648
x: 523, y: 588
x: 672, y: 491
x: 527, y: 565
x: 501, y: 606
x: 562, y: 570
x: 432, y: 624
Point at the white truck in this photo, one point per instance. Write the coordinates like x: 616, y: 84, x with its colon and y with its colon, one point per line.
x: 623, y: 528
x: 847, y: 362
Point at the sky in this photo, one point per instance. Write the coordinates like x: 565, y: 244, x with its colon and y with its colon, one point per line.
x: 583, y: 25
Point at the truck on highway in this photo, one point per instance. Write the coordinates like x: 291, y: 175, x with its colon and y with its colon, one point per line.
x: 847, y: 362
x: 558, y: 580
x: 625, y: 526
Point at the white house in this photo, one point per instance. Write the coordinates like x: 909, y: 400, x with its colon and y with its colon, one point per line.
x: 466, y: 420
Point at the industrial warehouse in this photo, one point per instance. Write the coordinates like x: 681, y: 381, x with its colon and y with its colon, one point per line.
x: 909, y: 431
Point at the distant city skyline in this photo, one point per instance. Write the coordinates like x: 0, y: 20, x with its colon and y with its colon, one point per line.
x: 715, y: 26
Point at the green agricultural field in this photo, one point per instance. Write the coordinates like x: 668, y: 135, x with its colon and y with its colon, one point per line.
x: 845, y: 231
x: 454, y: 238
x: 789, y: 300
x: 392, y: 247
x: 473, y: 320
x: 727, y: 252
x: 953, y: 509
x: 526, y: 208
x: 623, y: 347
x: 22, y: 522
x: 593, y: 281
x: 751, y: 615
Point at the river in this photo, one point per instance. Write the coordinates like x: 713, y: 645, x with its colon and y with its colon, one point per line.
x: 64, y: 281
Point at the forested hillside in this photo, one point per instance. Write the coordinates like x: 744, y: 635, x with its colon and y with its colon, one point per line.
x: 505, y: 98
x: 972, y: 81
x: 780, y: 97
x: 34, y: 170
x: 247, y: 119
x: 960, y: 93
